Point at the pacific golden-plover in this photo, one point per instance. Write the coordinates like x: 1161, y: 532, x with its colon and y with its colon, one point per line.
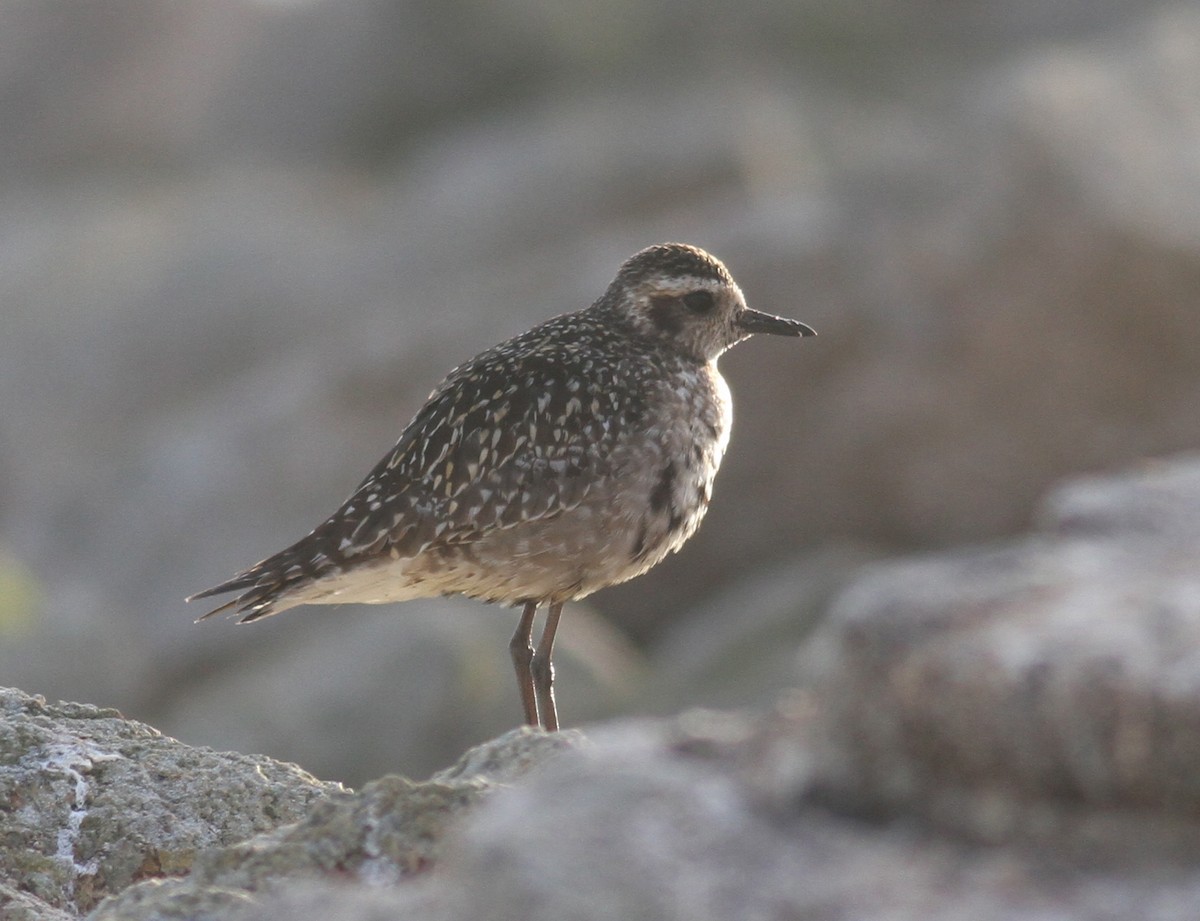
x: 570, y: 458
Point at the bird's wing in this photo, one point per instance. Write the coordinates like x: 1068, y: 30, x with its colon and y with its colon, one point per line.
x: 518, y: 434
x: 501, y: 442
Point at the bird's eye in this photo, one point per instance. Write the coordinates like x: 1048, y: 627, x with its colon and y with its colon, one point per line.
x: 698, y: 301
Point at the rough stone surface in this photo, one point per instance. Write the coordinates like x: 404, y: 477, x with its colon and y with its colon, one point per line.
x: 16, y: 904
x: 91, y: 802
x: 380, y: 835
x: 324, y: 900
x: 686, y: 836
x: 712, y: 817
x: 1049, y: 687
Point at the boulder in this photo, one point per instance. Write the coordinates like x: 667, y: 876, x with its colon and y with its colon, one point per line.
x: 91, y: 802
x: 1047, y: 688
x: 381, y: 835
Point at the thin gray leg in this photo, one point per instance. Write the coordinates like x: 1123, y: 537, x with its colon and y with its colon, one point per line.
x: 543, y: 670
x: 521, y: 649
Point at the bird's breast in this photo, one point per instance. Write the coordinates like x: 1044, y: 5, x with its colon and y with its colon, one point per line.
x: 669, y: 478
x: 644, y: 494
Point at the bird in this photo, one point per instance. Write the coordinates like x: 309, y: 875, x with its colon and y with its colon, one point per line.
x: 569, y: 458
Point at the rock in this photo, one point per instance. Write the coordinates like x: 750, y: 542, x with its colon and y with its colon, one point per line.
x: 669, y: 820
x: 306, y: 899
x: 174, y: 900
x: 19, y: 905
x: 1158, y: 499
x: 91, y: 801
x: 505, y: 759
x: 1046, y: 689
x: 659, y: 817
x: 386, y: 832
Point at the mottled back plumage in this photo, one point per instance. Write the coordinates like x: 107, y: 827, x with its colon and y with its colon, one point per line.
x: 571, y: 457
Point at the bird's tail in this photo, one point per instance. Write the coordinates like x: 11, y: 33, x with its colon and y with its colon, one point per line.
x: 272, y: 585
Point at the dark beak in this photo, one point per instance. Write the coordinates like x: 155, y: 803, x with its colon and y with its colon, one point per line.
x: 752, y: 321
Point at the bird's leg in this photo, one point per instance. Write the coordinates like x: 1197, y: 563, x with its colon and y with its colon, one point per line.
x: 543, y: 671
x: 521, y: 649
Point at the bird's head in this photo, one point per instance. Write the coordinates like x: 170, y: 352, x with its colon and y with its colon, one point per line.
x: 681, y: 294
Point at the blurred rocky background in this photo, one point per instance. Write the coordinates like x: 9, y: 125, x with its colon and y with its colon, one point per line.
x: 240, y: 241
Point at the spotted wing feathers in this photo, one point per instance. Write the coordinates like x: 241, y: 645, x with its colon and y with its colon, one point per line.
x: 520, y: 433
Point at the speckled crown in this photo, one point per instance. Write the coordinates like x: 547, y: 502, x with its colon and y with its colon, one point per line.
x: 671, y: 260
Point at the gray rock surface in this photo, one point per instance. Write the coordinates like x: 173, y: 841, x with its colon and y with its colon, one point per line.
x: 18, y: 905
x: 688, y: 831
x: 91, y: 802
x: 390, y: 830
x: 1047, y: 688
